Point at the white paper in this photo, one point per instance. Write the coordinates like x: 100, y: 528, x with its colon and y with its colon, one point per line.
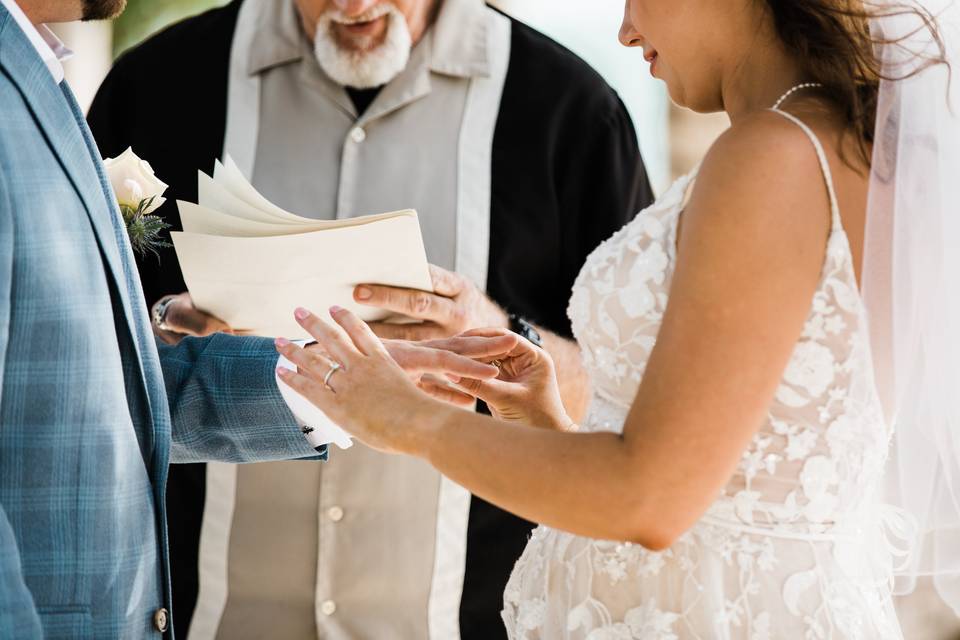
x: 214, y: 195
x: 254, y: 284
x: 229, y: 175
x: 197, y: 219
x: 251, y: 263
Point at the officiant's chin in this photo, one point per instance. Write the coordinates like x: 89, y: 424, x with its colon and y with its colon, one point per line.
x: 364, y: 51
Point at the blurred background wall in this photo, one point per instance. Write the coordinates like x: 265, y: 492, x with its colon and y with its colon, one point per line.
x: 590, y: 29
x: 672, y: 140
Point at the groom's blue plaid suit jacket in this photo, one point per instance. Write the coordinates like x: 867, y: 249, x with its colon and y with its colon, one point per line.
x: 91, y: 409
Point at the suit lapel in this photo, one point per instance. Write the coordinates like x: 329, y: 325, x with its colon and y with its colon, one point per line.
x: 64, y: 135
x: 61, y: 120
x: 107, y: 221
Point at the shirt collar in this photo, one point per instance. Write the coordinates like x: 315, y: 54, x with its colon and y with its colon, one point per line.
x: 49, y: 47
x: 459, y: 38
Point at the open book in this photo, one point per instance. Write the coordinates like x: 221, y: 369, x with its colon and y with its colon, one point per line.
x: 250, y: 263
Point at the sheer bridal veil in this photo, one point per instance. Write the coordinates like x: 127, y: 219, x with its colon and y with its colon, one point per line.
x: 911, y: 283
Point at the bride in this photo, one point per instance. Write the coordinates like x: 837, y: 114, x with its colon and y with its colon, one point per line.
x: 727, y: 482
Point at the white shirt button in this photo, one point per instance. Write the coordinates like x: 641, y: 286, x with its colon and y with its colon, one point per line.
x: 358, y: 135
x: 335, y: 514
x: 328, y: 608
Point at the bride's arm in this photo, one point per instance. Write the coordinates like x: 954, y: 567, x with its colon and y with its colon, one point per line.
x: 750, y: 257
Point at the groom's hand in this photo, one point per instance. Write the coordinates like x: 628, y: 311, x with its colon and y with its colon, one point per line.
x: 182, y: 319
x: 456, y: 305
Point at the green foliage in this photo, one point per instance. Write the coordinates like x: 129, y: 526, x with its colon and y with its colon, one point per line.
x: 144, y: 229
x: 145, y: 17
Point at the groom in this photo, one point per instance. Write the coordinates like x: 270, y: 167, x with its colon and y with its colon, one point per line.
x: 90, y: 413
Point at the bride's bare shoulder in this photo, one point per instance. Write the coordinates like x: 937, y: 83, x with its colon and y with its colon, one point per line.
x: 763, y: 146
x: 762, y: 173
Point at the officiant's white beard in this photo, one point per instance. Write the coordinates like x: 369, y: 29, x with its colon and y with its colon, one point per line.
x: 365, y: 67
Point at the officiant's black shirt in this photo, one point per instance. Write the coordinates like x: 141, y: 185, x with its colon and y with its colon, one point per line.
x: 566, y: 175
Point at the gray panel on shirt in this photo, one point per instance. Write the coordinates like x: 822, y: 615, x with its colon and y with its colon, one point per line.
x: 311, y: 159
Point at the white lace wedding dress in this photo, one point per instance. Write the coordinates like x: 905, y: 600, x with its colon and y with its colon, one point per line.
x: 797, y: 546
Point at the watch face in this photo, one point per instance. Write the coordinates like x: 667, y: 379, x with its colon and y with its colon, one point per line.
x: 526, y: 330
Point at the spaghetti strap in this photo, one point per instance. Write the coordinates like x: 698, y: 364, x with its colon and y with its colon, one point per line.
x: 824, y: 166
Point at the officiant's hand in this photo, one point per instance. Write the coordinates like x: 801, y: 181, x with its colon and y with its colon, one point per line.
x: 183, y: 319
x: 526, y: 388
x: 455, y: 306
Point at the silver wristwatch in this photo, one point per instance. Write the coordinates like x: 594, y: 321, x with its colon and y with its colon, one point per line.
x: 525, y: 329
x: 159, y: 315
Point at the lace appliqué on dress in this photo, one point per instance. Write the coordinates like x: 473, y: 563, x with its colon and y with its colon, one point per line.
x: 792, y: 547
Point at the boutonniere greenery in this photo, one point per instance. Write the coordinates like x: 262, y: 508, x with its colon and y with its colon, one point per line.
x: 139, y: 194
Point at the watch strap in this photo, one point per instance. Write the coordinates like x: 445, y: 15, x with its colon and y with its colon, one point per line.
x: 526, y: 330
x: 159, y: 314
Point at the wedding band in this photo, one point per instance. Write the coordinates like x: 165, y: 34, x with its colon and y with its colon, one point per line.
x: 336, y: 366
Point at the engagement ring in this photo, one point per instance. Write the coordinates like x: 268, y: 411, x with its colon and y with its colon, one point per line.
x: 336, y: 366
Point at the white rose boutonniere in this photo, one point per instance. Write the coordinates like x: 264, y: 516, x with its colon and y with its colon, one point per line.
x: 139, y: 193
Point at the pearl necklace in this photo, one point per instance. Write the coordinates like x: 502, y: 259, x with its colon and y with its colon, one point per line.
x: 793, y: 90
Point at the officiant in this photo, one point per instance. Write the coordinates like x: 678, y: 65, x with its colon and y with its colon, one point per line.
x: 519, y: 159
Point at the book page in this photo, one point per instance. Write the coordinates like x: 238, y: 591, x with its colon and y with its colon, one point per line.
x: 255, y: 283
x: 229, y: 176
x: 197, y: 219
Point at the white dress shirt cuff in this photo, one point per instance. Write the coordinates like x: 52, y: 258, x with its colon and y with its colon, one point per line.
x: 318, y: 429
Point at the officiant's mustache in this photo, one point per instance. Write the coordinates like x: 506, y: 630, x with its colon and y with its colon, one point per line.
x: 103, y: 9
x: 371, y: 14
x: 358, y: 32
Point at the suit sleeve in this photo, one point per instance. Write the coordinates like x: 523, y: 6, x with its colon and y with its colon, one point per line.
x: 18, y: 614
x: 225, y: 404
x: 604, y: 180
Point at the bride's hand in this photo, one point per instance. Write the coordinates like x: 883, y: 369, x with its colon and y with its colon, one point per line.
x: 435, y: 364
x: 442, y: 362
x: 370, y: 394
x: 525, y: 391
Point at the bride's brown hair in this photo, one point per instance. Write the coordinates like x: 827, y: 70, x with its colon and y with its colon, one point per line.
x: 833, y: 42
